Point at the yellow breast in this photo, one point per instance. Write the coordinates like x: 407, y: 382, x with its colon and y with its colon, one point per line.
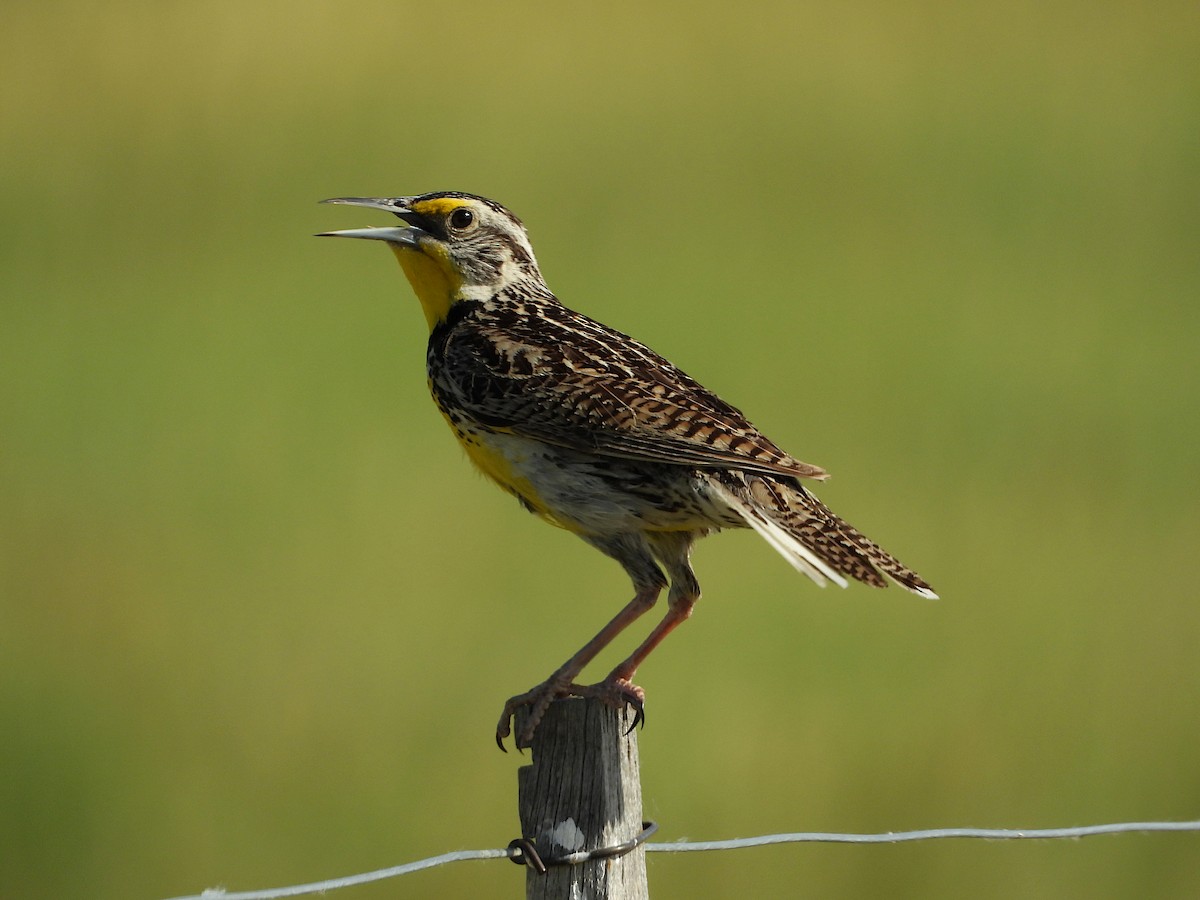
x: 504, y: 463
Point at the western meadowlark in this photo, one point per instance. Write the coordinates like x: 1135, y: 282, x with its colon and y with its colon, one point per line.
x: 598, y: 434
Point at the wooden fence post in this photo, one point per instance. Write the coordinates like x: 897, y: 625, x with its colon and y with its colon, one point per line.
x: 583, y: 792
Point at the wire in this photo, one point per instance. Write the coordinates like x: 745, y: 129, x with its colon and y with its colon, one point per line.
x: 320, y: 887
x: 889, y: 837
x: 928, y: 834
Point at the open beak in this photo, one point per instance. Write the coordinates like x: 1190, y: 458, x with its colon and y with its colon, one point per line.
x: 409, y: 236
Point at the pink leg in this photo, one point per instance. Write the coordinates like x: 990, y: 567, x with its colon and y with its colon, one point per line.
x: 561, y: 683
x: 679, y: 612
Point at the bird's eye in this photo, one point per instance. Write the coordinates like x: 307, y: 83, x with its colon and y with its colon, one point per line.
x: 462, y: 219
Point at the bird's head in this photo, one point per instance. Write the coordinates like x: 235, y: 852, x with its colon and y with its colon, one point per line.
x: 453, y: 247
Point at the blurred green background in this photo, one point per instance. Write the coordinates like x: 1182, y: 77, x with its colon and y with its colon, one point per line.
x: 258, y: 615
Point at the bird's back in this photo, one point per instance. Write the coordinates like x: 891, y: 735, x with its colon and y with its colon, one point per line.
x: 529, y: 365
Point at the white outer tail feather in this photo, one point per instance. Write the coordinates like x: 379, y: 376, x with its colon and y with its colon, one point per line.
x: 920, y: 592
x: 801, y: 558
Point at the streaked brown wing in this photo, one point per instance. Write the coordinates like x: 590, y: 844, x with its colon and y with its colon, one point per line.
x: 567, y: 380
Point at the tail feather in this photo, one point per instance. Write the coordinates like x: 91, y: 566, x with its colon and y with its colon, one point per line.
x: 801, y: 556
x: 809, y: 535
x: 878, y: 558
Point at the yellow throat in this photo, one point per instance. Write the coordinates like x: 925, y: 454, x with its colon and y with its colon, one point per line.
x: 432, y: 277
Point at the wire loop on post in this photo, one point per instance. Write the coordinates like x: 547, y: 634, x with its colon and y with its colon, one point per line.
x: 523, y: 852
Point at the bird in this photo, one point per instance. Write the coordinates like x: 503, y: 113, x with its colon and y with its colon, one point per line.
x: 594, y: 432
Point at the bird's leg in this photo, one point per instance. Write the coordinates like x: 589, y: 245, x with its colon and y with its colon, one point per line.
x: 618, y: 688
x: 676, y: 615
x: 673, y: 550
x: 561, y: 683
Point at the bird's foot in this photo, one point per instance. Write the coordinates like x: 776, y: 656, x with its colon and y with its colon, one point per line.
x: 619, y: 693
x: 616, y: 692
x: 538, y: 700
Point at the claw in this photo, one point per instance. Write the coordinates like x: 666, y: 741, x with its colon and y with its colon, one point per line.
x: 639, y: 716
x: 503, y: 730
